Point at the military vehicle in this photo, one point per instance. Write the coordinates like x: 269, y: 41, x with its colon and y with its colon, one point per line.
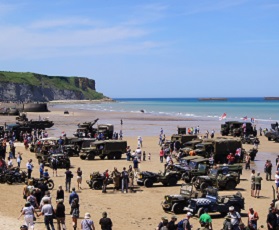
x: 9, y: 111
x: 273, y: 133
x: 217, y: 148
x: 201, y: 166
x: 235, y: 128
x: 33, y: 124
x: 17, y: 129
x: 215, y: 203
x: 73, y: 146
x: 181, y: 130
x: 62, y: 160
x: 96, y: 181
x: 112, y: 149
x: 107, y: 130
x: 86, y: 129
x: 220, y: 178
x: 176, y: 203
x: 183, y: 138
x: 250, y: 140
x: 168, y: 178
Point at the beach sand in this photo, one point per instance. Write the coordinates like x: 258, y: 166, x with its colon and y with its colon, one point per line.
x: 139, y: 210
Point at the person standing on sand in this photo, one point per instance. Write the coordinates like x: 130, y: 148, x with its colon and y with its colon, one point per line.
x: 247, y: 161
x: 252, y: 219
x: 87, y: 224
x: 19, y: 159
x: 212, y: 133
x: 105, y: 222
x: 268, y: 169
x: 253, y: 185
x: 29, y: 167
x: 125, y: 180
x: 161, y: 155
x: 276, y: 180
x: 258, y: 181
x: 206, y: 134
x: 68, y: 179
x: 79, y: 178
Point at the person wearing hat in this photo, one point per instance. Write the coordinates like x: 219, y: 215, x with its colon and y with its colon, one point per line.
x: 227, y: 223
x: 205, y: 218
x: 252, y: 218
x: 172, y: 225
x: 28, y: 212
x: 235, y: 218
x: 105, y: 222
x: 87, y: 223
x: 163, y: 223
x: 60, y: 214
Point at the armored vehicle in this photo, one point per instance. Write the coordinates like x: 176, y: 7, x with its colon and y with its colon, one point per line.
x: 112, y: 149
x: 220, y: 178
x: 86, y: 129
x: 168, y: 178
x: 106, y: 130
x: 38, y: 124
x: 177, y: 203
x: 235, y: 128
x: 215, y: 203
x: 96, y: 181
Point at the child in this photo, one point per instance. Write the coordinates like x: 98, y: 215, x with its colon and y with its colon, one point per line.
x: 144, y: 155
x: 45, y: 174
x: 149, y: 156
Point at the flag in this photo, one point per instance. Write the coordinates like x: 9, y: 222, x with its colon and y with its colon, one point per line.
x: 224, y: 116
x: 244, y: 118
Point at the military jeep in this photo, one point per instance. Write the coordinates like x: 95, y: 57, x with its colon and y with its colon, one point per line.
x: 220, y: 178
x: 215, y: 203
x: 112, y: 149
x: 177, y: 203
x: 62, y: 160
x: 96, y: 181
x: 167, y: 178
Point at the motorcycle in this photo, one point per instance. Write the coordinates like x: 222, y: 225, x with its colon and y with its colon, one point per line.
x: 47, y: 181
x: 15, y: 176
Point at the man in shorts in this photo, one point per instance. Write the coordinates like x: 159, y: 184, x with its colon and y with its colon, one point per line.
x: 258, y: 181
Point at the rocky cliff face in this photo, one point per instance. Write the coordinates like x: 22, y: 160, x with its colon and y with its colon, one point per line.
x: 26, y: 92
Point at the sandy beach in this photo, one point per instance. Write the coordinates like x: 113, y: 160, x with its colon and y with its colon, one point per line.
x: 139, y: 210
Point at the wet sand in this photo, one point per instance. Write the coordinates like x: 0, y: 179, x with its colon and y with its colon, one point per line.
x: 139, y: 210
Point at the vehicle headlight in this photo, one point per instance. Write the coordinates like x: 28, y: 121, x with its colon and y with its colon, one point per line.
x: 91, y: 176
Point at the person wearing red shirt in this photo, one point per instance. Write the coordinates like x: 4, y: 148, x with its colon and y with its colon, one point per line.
x: 161, y: 155
x: 230, y: 159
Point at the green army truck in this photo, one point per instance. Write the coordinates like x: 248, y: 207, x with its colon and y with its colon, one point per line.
x: 112, y: 149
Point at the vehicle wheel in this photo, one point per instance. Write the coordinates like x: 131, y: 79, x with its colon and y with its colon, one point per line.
x: 102, y: 157
x: 50, y: 185
x: 200, y: 212
x: 230, y: 185
x: 269, y: 138
x: 177, y: 208
x: 91, y: 157
x: 186, y: 177
x: 172, y: 181
x: 193, y: 180
x: 97, y: 185
x: 204, y: 186
x: 118, y: 156
x: 165, y: 183
x: 82, y: 157
x: 148, y: 183
x: 111, y: 156
x: 9, y: 181
x: 90, y: 184
x: 140, y: 183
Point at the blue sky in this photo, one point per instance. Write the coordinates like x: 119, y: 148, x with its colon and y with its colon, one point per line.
x: 146, y: 48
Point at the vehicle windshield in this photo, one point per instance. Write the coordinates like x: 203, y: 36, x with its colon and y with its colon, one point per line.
x: 213, y: 171
x: 193, y: 165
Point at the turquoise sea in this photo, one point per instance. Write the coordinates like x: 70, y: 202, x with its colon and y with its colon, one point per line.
x: 235, y: 108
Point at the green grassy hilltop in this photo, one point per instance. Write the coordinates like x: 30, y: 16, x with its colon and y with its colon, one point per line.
x: 81, y: 85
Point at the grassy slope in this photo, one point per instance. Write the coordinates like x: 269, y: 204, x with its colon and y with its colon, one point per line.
x: 63, y: 83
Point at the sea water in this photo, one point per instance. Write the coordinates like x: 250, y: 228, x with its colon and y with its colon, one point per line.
x: 261, y: 110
